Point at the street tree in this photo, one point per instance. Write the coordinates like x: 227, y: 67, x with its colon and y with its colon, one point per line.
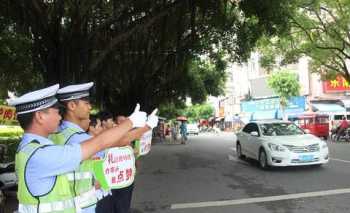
x: 140, y: 51
x: 199, y: 111
x: 285, y: 84
x: 319, y: 29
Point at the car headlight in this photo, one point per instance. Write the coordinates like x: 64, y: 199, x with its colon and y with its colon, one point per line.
x: 275, y: 147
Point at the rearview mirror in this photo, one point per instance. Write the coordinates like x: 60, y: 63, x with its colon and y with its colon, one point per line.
x: 254, y: 133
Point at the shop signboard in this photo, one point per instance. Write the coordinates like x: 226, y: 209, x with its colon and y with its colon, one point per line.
x: 7, y: 115
x: 339, y: 84
x: 270, y: 104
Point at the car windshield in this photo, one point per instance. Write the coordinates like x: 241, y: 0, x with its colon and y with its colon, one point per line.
x: 278, y: 129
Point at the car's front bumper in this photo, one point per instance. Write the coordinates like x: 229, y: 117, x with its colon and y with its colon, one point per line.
x: 288, y: 158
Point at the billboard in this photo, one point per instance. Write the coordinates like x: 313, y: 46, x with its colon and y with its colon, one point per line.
x: 271, y: 104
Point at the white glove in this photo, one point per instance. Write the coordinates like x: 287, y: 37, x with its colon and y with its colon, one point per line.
x: 138, y: 118
x: 152, y: 120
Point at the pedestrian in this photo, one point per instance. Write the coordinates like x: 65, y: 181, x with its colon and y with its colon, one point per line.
x: 174, y: 132
x: 183, y: 132
x: 120, y: 201
x: 41, y: 166
x: 95, y: 127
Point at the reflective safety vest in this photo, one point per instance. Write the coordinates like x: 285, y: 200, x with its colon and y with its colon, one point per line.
x: 81, y: 180
x: 59, y: 199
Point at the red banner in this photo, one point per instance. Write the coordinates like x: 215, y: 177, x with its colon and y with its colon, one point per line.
x: 337, y: 85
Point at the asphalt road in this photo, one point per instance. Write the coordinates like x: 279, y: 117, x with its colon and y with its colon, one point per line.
x: 205, y: 176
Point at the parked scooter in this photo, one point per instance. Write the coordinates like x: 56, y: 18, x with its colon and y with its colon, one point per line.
x: 8, y: 176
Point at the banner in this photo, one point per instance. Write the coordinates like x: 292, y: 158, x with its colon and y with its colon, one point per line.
x: 117, y: 169
x: 145, y: 143
x: 7, y: 115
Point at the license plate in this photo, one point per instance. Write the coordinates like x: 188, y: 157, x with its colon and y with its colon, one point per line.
x: 306, y: 158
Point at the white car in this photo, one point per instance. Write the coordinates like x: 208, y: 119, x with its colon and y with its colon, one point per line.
x: 280, y: 143
x: 192, y: 129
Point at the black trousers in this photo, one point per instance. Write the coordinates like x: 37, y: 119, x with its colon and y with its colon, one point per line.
x: 118, y: 202
x: 121, y: 199
x: 105, y: 205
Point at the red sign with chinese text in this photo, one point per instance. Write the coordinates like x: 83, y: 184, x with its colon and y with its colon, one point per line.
x: 7, y: 114
x: 337, y: 85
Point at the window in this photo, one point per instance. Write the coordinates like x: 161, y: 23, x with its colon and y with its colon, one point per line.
x: 308, y: 121
x: 338, y: 117
x: 322, y: 120
x: 278, y: 129
x: 255, y: 128
x: 249, y: 128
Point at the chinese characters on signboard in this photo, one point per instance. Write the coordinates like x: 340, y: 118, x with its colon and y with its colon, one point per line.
x: 145, y: 143
x: 7, y: 115
x: 339, y: 84
x: 119, y: 167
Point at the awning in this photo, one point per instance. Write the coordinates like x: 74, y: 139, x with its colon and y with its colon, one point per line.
x: 328, y: 108
x: 263, y: 115
x: 219, y: 118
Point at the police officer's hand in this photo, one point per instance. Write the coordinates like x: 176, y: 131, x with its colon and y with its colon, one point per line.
x: 152, y: 120
x: 138, y: 118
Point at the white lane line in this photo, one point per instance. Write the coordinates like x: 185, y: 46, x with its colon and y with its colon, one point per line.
x: 259, y: 199
x: 335, y: 159
x: 230, y: 157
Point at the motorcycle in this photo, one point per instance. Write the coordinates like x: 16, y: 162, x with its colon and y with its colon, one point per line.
x: 344, y: 137
x: 8, y: 176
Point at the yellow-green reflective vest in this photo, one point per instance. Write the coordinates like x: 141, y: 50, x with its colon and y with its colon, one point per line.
x: 81, y: 180
x: 59, y: 199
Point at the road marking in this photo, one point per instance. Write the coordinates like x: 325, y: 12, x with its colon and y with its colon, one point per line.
x: 233, y: 149
x: 335, y: 159
x: 230, y: 157
x: 259, y: 199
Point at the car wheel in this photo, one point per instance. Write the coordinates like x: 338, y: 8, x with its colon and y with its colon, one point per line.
x: 263, y: 159
x: 239, y: 151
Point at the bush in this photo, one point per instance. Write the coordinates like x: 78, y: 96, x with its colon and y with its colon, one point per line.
x: 9, y: 139
x: 11, y: 131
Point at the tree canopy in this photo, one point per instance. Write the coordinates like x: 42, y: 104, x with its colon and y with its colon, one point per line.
x: 319, y: 29
x: 142, y: 51
x: 199, y: 111
x: 285, y: 84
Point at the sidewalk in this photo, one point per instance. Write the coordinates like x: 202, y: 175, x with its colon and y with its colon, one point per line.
x: 168, y: 140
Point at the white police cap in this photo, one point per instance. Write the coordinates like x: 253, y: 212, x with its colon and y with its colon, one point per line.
x: 74, y: 92
x: 35, y: 101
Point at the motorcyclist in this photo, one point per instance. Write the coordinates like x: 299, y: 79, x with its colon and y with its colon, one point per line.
x: 342, y: 127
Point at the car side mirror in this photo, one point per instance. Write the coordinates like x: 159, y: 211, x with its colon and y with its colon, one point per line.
x: 254, y: 133
x: 307, y: 131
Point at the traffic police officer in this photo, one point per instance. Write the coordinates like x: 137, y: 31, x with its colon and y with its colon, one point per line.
x: 75, y: 99
x: 41, y: 165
